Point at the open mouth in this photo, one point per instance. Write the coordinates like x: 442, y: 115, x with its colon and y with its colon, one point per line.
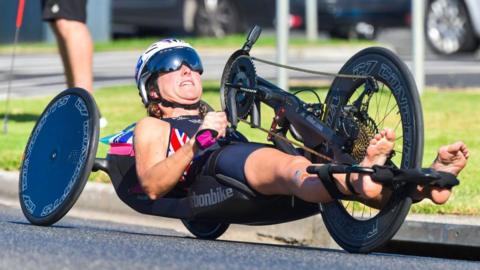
x: 187, y: 83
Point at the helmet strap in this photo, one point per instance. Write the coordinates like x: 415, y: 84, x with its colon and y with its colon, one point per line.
x: 170, y: 104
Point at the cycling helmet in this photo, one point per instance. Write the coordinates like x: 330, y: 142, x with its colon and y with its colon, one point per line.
x: 166, y: 55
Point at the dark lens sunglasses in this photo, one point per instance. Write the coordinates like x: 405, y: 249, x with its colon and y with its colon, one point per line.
x: 172, y: 59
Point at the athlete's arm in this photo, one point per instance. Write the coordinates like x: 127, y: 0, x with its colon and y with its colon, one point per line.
x: 157, y: 173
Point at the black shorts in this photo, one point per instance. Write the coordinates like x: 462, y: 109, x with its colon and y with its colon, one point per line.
x: 231, y: 160
x: 228, y: 160
x: 75, y: 10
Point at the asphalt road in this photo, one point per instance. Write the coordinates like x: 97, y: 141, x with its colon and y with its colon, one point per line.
x: 86, y: 244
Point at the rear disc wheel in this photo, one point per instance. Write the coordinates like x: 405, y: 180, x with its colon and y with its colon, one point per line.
x: 355, y: 226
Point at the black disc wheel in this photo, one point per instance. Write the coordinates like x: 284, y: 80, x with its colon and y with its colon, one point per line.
x: 355, y: 225
x: 448, y: 27
x: 205, y: 230
x: 59, y: 156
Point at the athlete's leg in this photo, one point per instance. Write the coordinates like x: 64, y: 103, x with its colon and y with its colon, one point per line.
x: 270, y: 171
x: 76, y: 49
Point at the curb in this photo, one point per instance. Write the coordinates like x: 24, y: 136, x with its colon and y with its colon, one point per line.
x: 101, y: 198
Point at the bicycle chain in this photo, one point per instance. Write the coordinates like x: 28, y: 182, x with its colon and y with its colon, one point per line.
x: 322, y: 73
x: 308, y: 149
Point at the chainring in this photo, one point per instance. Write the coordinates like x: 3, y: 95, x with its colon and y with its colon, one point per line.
x: 239, y: 71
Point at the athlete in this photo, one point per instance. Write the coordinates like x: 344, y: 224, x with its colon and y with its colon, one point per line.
x: 169, y: 142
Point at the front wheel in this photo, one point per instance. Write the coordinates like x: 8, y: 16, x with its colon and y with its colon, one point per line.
x: 355, y: 226
x: 205, y: 230
x: 59, y: 156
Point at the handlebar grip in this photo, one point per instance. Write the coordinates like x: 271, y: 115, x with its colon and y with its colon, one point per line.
x: 232, y: 107
x: 252, y: 38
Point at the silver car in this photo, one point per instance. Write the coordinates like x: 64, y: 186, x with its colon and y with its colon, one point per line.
x: 453, y: 26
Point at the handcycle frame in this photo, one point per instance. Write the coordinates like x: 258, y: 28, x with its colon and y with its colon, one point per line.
x: 212, y: 201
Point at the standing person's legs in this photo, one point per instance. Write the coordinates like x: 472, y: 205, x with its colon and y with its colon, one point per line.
x: 67, y: 19
x: 76, y: 49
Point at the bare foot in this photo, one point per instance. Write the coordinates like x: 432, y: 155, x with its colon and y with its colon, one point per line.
x: 377, y: 153
x: 450, y: 158
x: 380, y: 147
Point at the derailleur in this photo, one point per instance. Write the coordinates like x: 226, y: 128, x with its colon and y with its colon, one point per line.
x: 355, y: 125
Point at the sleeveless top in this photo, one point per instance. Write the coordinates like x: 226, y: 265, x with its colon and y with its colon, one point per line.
x: 181, y: 130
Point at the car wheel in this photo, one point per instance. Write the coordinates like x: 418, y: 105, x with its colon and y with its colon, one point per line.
x: 216, y: 18
x: 366, y: 31
x: 448, y: 28
x: 361, y: 30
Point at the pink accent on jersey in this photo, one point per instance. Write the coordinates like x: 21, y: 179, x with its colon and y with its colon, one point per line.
x: 122, y: 149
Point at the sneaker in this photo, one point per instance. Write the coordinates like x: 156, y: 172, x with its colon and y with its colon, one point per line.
x: 103, y: 122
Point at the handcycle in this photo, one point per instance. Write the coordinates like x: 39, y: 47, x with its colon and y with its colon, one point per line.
x: 61, y: 153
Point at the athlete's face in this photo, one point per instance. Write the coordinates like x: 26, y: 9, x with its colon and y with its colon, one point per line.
x: 183, y: 86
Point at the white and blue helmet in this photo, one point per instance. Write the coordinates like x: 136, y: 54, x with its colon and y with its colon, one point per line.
x: 164, y: 56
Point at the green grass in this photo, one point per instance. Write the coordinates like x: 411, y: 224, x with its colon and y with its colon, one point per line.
x: 449, y: 116
x: 452, y: 116
x: 231, y: 41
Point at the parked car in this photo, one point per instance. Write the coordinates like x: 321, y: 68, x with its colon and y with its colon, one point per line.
x: 202, y: 17
x: 452, y: 26
x: 357, y: 18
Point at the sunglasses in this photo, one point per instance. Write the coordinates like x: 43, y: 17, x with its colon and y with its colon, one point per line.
x: 172, y: 59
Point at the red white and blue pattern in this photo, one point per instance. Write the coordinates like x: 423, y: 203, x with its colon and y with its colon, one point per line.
x: 121, y: 143
x: 124, y: 136
x: 177, y: 139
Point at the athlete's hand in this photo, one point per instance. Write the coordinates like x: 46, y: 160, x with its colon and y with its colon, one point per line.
x: 216, y: 121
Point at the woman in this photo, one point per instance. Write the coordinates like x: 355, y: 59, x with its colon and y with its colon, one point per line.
x: 168, y: 78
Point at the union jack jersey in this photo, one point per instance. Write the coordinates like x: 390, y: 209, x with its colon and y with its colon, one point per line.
x: 182, y: 129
